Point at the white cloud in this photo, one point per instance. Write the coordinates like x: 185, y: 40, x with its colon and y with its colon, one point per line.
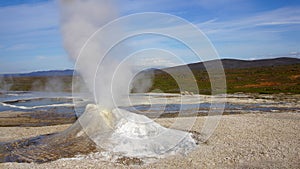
x: 22, y: 18
x: 42, y: 57
x: 28, y: 26
x: 133, y: 6
x: 263, y: 27
x: 282, y: 16
x: 21, y: 47
x: 212, y: 4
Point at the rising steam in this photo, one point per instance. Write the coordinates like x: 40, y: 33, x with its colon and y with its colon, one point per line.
x: 108, y: 76
x: 5, y: 83
x: 80, y: 19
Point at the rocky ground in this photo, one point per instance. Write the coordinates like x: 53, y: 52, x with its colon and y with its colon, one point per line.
x: 268, y: 140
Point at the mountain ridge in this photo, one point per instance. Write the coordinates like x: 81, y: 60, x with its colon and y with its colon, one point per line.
x: 227, y: 64
x: 46, y: 73
x: 241, y: 64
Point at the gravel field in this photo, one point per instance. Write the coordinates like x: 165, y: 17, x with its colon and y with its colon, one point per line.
x: 269, y: 140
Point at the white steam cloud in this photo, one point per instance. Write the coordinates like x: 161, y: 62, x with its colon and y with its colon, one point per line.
x: 5, y: 83
x: 106, y: 76
x: 107, y: 70
x: 52, y: 84
x: 81, y: 18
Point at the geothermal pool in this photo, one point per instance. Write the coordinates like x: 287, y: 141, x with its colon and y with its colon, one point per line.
x: 30, y: 101
x: 43, y: 109
x: 152, y: 105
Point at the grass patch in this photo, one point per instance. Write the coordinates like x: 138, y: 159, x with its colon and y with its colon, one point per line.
x: 263, y: 80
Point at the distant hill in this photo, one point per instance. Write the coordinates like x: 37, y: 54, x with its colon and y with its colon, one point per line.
x: 227, y: 64
x: 242, y: 64
x: 49, y: 73
x: 280, y: 75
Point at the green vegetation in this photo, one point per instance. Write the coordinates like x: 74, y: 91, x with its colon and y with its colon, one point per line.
x: 49, y: 83
x: 265, y: 80
x: 268, y: 80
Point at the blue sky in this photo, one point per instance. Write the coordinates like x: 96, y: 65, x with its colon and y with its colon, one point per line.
x: 30, y: 38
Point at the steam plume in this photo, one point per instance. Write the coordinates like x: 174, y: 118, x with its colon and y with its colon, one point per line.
x: 5, y: 83
x: 80, y: 19
x: 107, y: 72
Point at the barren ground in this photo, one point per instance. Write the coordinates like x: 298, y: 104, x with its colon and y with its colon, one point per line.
x: 270, y: 140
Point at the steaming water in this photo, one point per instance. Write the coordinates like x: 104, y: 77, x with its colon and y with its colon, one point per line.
x: 63, y: 102
x: 125, y: 131
x: 168, y: 104
x: 35, y: 101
